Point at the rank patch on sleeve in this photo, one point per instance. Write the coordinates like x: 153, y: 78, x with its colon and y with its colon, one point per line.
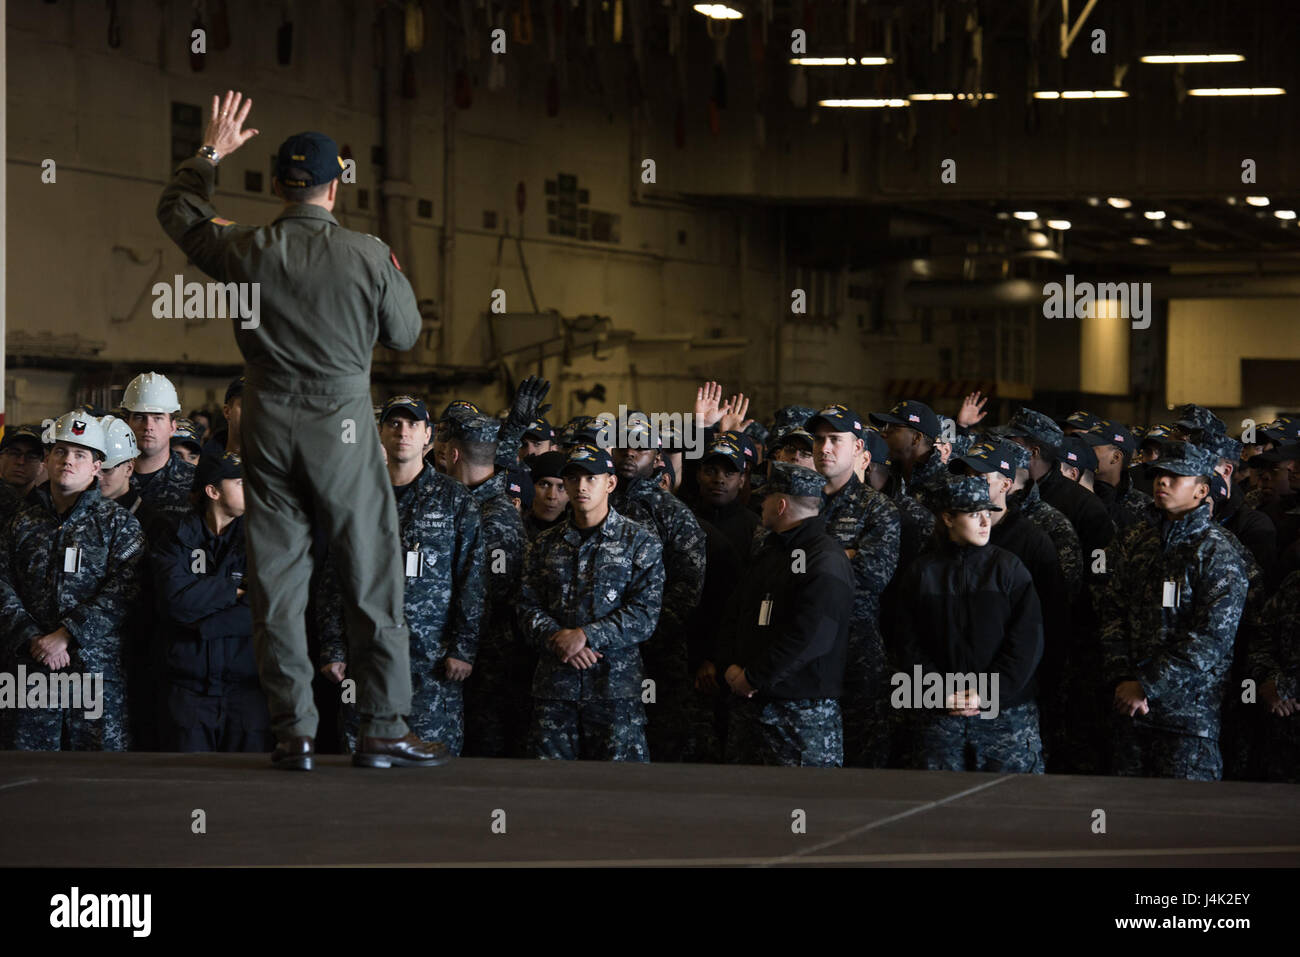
x: 222, y: 222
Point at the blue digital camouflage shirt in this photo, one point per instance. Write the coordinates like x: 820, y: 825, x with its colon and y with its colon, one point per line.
x: 610, y: 585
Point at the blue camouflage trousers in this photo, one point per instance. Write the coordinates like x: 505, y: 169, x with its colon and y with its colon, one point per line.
x: 1145, y: 752
x: 1008, y: 744
x: 806, y: 732
x: 437, y: 713
x: 868, y: 718
x: 598, y: 729
x: 68, y: 729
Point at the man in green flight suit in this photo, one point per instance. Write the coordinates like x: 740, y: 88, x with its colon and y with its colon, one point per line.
x: 313, y: 298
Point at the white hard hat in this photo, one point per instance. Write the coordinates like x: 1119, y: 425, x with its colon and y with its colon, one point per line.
x: 78, y: 428
x: 119, y: 441
x: 151, y: 392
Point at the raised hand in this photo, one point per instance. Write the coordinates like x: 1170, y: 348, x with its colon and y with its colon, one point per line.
x: 707, y: 399
x: 734, y: 418
x: 225, y: 132
x: 528, y: 400
x: 972, y: 409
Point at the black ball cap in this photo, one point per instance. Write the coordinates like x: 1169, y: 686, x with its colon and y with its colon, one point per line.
x: 314, y: 157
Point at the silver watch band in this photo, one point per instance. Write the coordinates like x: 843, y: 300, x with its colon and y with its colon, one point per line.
x: 210, y: 153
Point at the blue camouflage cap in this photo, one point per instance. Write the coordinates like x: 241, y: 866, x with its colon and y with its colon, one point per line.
x: 1002, y: 456
x: 1184, y: 458
x: 459, y: 407
x: 308, y: 159
x: 1197, y: 418
x: 1112, y: 433
x: 789, y: 479
x: 959, y: 493
x: 756, y: 432
x: 793, y: 415
x: 590, y: 458
x: 474, y: 428
x: 1037, y: 428
x: 790, y: 435
x: 1221, y: 445
x: 410, y: 403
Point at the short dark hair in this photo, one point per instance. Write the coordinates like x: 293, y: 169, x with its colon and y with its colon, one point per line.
x: 301, y: 194
x: 804, y: 503
x: 477, y: 453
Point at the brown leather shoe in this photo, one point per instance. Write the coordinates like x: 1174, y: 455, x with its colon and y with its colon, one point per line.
x: 405, y: 752
x: 293, y: 754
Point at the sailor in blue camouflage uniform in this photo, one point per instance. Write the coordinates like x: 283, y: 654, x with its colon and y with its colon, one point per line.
x: 441, y: 538
x: 549, y: 497
x: 867, y: 526
x: 498, y: 705
x: 970, y: 609
x: 70, y: 568
x: 910, y: 429
x: 1275, y: 667
x: 1175, y: 597
x: 162, y: 476
x: 589, y: 597
x: 21, y: 455
x: 785, y: 636
x: 1115, y: 447
x: 665, y: 655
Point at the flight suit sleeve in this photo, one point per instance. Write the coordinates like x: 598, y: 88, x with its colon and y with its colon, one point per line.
x: 17, y: 626
x: 467, y: 611
x: 187, y: 216
x: 1220, y: 597
x: 103, y: 611
x: 535, y: 623
x: 634, y: 620
x: 822, y: 601
x: 399, y: 315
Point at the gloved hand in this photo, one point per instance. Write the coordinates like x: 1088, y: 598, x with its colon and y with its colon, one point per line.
x: 528, y: 402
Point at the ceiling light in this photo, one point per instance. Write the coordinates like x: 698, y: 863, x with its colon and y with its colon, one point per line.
x: 1232, y: 200
x: 1257, y: 200
x: 1284, y: 213
x: 1080, y: 94
x: 1028, y: 215
x: 718, y: 11
x: 1058, y: 223
x: 1238, y: 91
x: 862, y: 104
x: 945, y: 97
x: 1140, y: 241
x: 1180, y: 224
x: 1193, y: 58
x: 1119, y: 202
x: 1094, y: 201
x: 1154, y: 214
x: 819, y: 61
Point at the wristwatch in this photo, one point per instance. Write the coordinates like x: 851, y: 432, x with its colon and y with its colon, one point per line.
x: 210, y: 153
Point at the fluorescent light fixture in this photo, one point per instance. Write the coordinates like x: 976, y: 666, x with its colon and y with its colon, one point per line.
x: 862, y: 104
x: 1119, y: 202
x: 1193, y: 58
x: 1180, y: 224
x: 1154, y: 214
x: 1028, y: 215
x: 945, y: 97
x: 1094, y: 201
x: 1257, y: 200
x: 1284, y: 213
x: 1238, y: 91
x: 840, y: 61
x: 1140, y: 241
x: 1080, y: 94
x: 1232, y: 200
x: 1058, y: 224
x: 718, y: 11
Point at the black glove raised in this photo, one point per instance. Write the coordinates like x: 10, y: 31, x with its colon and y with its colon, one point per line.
x: 528, y: 401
